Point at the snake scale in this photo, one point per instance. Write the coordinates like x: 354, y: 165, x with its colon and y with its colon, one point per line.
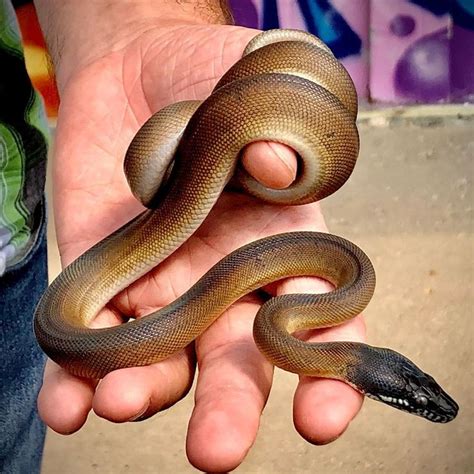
x: 287, y: 88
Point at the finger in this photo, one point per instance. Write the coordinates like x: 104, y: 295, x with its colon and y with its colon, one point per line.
x: 272, y: 164
x: 232, y: 389
x: 324, y: 408
x: 123, y: 395
x: 137, y: 393
x: 64, y: 401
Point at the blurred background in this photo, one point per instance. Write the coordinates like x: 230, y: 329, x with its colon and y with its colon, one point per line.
x: 408, y: 204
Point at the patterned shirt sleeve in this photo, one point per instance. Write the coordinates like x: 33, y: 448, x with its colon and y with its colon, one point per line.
x: 24, y: 137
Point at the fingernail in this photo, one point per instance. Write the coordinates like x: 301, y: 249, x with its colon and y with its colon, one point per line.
x: 140, y: 416
x: 286, y: 155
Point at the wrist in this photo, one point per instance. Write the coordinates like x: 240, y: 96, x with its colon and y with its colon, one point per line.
x: 77, y: 33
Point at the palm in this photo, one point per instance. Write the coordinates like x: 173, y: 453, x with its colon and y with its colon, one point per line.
x: 103, y: 106
x: 131, y: 86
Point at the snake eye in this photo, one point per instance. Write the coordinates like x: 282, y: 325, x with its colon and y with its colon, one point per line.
x: 422, y: 400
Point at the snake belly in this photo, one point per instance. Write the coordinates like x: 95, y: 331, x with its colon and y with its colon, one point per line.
x: 286, y: 88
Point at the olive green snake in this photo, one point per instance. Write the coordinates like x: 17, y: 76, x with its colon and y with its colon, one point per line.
x: 287, y: 88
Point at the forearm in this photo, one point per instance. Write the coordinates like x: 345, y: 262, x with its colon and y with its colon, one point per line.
x: 78, y: 32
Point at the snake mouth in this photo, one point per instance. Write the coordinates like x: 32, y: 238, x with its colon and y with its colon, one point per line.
x: 442, y: 410
x: 435, y: 418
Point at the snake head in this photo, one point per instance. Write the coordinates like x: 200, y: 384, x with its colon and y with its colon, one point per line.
x: 398, y: 382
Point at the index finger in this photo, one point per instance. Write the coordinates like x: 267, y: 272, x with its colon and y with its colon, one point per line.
x: 324, y: 408
x: 272, y: 164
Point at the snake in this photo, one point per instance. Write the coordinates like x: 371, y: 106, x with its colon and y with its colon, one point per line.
x: 287, y: 88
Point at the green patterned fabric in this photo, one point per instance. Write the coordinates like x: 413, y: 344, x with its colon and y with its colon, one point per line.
x: 24, y: 136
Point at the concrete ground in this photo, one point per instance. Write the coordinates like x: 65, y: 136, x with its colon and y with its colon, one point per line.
x: 409, y: 205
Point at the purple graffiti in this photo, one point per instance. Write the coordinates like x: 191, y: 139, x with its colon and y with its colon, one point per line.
x: 422, y: 73
x: 462, y: 64
x: 244, y: 13
x: 402, y: 25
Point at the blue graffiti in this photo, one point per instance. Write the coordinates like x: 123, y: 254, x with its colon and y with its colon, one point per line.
x: 270, y: 15
x: 462, y: 11
x: 321, y: 19
x: 466, y: 5
x: 463, y: 14
x: 437, y: 7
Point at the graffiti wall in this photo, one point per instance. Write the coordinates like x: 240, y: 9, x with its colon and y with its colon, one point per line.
x: 397, y: 51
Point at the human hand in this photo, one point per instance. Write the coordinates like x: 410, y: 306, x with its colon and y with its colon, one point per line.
x: 103, y: 105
